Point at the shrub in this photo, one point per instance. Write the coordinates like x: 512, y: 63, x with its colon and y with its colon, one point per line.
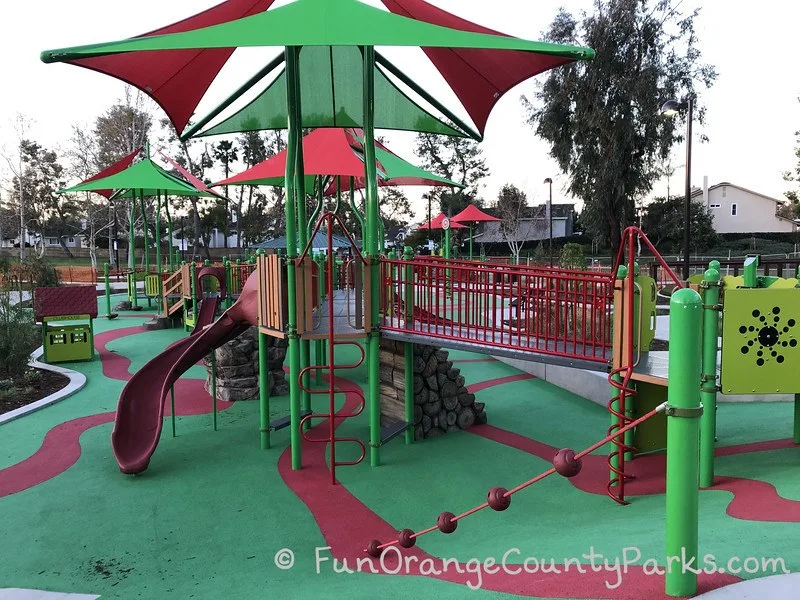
x: 572, y: 257
x: 18, y: 337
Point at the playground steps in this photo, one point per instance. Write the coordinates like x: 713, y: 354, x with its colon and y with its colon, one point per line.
x: 157, y: 323
x: 284, y: 422
x: 390, y: 432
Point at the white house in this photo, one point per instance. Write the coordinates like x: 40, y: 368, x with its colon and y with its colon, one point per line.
x: 738, y: 210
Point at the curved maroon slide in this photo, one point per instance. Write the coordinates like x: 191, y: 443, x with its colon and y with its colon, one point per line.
x: 140, y: 411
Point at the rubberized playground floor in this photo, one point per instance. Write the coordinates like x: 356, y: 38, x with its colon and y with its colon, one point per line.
x: 208, y: 517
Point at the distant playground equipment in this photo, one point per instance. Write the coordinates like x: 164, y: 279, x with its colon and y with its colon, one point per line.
x: 61, y: 341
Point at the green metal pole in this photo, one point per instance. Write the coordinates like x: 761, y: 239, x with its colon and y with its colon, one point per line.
x: 157, y: 224
x: 708, y: 387
x: 796, y: 434
x: 357, y: 213
x: 263, y: 390
x: 192, y: 271
x: 750, y: 272
x: 622, y: 273
x: 303, y: 235
x: 172, y: 406
x: 214, y: 386
x: 294, y: 125
x: 318, y: 208
x: 372, y: 252
x: 108, y: 290
x: 44, y: 339
x: 144, y: 232
x: 470, y: 241
x: 169, y: 234
x: 228, y: 284
x: 132, y: 234
x: 683, y: 424
x: 408, y: 297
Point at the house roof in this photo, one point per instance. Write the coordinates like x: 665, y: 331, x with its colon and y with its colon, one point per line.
x: 699, y: 191
x: 560, y: 211
x: 320, y: 241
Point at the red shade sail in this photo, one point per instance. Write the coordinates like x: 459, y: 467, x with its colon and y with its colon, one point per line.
x: 195, y: 181
x: 177, y: 79
x: 325, y: 152
x: 117, y: 167
x: 479, y: 78
x: 436, y: 223
x: 473, y: 214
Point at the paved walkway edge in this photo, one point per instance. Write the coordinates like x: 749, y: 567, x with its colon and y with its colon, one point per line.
x: 76, y: 382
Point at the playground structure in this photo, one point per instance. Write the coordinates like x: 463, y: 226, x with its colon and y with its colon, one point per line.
x: 579, y: 319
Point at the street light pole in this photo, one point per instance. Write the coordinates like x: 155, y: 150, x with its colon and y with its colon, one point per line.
x: 550, y: 216
x: 670, y: 109
x: 688, y: 199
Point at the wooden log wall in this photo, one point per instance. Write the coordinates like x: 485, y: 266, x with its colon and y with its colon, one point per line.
x: 442, y: 403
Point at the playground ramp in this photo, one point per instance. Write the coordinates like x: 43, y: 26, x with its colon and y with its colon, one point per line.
x: 140, y: 411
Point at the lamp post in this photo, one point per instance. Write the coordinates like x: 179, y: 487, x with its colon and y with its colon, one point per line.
x: 670, y: 109
x: 549, y: 181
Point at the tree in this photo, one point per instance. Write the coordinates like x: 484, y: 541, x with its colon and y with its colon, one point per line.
x: 458, y: 159
x: 663, y: 221
x: 792, y: 210
x: 16, y: 164
x: 181, y: 151
x: 254, y: 151
x: 120, y: 130
x: 226, y: 153
x: 601, y: 118
x: 96, y: 216
x: 511, y: 204
x: 51, y: 214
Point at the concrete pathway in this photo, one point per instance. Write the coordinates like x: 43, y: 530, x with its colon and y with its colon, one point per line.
x: 23, y: 594
x: 775, y: 587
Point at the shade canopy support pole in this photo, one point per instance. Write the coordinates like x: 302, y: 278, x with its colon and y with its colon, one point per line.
x: 169, y: 234
x: 292, y: 101
x: 303, y: 233
x: 372, y: 253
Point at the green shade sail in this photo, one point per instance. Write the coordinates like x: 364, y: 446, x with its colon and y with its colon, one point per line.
x: 320, y: 23
x: 330, y: 99
x: 398, y: 170
x: 144, y: 178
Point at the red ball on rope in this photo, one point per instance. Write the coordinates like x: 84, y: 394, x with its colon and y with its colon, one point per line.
x: 445, y: 522
x: 406, y: 538
x: 373, y: 550
x: 566, y: 464
x: 497, y: 499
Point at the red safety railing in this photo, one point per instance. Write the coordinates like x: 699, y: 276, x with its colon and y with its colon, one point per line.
x: 239, y: 275
x: 532, y: 309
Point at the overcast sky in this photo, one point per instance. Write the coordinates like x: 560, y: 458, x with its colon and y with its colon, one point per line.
x: 752, y: 109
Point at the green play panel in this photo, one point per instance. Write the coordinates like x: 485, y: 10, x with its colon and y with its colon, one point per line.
x: 760, y: 351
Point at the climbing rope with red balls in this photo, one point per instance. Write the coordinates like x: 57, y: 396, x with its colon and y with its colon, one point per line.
x: 566, y: 463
